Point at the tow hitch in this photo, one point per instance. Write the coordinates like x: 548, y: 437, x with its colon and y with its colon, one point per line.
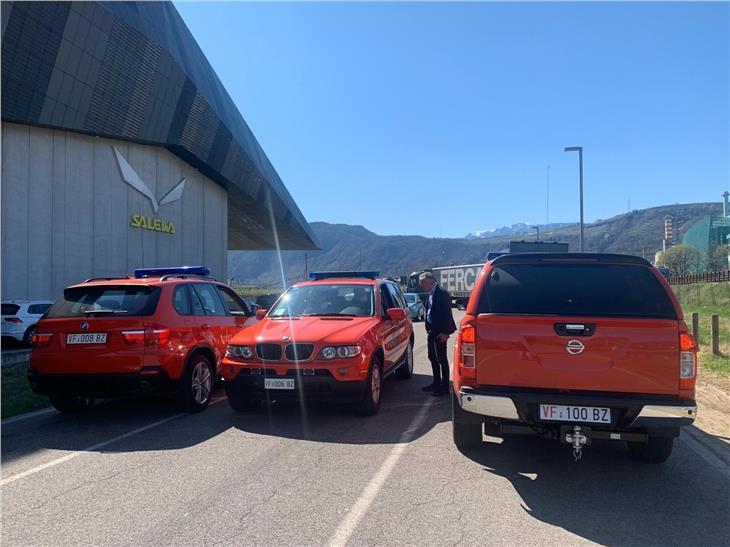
x: 578, y: 440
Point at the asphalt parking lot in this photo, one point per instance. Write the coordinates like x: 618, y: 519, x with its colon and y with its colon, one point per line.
x: 138, y: 472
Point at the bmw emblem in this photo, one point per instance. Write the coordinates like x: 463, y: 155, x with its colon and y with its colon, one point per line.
x: 84, y: 325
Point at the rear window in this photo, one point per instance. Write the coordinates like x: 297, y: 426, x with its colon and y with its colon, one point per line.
x: 106, y: 301
x: 576, y: 289
x: 10, y: 309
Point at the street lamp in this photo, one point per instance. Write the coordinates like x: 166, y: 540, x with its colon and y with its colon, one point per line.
x: 579, y: 149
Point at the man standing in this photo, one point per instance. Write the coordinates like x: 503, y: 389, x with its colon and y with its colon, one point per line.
x: 439, y: 325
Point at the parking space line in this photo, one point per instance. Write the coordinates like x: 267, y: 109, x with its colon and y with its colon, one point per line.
x: 348, y: 526
x: 72, y: 455
x: 28, y: 415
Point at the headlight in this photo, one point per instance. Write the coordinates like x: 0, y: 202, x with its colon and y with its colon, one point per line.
x: 343, y: 352
x: 239, y: 352
x: 328, y: 353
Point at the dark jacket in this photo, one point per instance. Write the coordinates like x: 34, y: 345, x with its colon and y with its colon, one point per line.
x: 441, y: 320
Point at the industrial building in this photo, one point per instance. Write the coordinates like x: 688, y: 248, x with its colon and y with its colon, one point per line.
x: 121, y: 149
x: 709, y: 232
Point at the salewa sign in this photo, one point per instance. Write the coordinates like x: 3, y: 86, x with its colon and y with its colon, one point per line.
x: 131, y: 177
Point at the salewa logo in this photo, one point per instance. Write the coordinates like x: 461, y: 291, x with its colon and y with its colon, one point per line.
x: 131, y: 177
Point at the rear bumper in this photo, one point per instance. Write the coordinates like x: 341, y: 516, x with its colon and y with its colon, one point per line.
x: 150, y: 379
x: 627, y: 411
x: 318, y: 387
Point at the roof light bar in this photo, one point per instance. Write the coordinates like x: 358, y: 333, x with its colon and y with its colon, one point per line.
x: 316, y: 276
x: 159, y: 272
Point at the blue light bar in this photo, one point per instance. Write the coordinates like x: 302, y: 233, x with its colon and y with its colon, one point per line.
x: 316, y: 276
x: 180, y: 270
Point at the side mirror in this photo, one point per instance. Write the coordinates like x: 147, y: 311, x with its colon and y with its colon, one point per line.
x: 261, y: 313
x: 396, y: 314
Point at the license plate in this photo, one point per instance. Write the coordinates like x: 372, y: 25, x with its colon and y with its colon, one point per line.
x: 279, y: 383
x: 86, y: 338
x: 561, y: 413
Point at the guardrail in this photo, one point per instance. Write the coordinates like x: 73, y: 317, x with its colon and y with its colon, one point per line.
x: 706, y: 277
x: 11, y: 357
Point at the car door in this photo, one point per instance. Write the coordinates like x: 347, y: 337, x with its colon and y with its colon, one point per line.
x: 403, y: 330
x: 237, y: 310
x: 388, y: 328
x: 213, y: 324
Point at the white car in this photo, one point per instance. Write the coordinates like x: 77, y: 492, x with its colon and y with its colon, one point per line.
x: 19, y: 318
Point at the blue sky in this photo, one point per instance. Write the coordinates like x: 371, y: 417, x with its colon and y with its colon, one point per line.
x: 441, y: 118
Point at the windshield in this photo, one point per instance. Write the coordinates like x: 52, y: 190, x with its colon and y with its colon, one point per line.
x: 106, y: 300
x: 411, y: 298
x: 322, y: 300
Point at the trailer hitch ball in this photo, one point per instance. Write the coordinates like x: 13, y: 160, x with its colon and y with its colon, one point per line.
x: 578, y: 440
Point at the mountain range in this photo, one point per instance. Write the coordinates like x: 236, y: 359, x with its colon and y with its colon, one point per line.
x: 520, y: 228
x: 354, y: 247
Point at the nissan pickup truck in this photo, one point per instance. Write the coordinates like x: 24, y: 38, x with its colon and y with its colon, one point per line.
x: 575, y: 348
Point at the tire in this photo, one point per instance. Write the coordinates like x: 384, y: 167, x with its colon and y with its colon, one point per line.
x: 239, y: 403
x: 28, y: 336
x: 405, y: 371
x: 196, y: 384
x: 466, y: 427
x: 71, y: 403
x: 370, y: 403
x: 654, y: 450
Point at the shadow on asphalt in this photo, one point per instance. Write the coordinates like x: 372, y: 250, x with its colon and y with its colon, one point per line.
x: 611, y: 499
x: 402, y: 400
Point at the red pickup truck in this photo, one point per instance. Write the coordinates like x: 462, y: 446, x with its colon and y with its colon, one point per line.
x: 574, y: 347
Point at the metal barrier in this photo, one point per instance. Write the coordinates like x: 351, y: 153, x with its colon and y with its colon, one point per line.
x: 706, y: 277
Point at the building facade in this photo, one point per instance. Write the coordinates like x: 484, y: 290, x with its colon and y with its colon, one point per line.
x: 121, y: 149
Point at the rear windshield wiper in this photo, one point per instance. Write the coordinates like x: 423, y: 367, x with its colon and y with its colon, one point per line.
x: 95, y: 312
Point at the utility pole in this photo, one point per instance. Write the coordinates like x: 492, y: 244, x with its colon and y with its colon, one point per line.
x: 579, y: 149
x: 538, y: 232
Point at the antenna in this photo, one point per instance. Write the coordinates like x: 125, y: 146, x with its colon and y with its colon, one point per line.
x: 547, y: 206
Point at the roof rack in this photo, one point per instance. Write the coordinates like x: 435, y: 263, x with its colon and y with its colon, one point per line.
x: 187, y: 276
x: 316, y: 276
x: 106, y: 278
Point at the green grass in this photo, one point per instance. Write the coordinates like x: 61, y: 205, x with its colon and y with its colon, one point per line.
x: 16, y: 394
x: 708, y: 299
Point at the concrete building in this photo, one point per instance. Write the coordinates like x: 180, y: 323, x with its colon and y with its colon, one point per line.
x: 708, y: 233
x: 121, y: 149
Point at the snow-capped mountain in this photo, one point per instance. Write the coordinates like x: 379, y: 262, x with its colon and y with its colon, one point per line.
x: 520, y: 228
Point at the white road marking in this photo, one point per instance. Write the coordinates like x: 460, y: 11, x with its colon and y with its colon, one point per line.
x: 348, y: 526
x: 28, y: 415
x: 72, y: 455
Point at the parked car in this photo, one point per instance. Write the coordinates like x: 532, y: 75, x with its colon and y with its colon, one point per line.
x: 19, y: 318
x: 574, y: 347
x: 163, y: 330
x: 265, y: 301
x: 333, y: 338
x: 416, y: 309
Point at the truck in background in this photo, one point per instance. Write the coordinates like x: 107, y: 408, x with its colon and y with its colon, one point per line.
x: 459, y: 280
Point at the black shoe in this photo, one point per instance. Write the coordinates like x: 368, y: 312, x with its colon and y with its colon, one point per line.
x: 440, y: 391
x: 431, y: 387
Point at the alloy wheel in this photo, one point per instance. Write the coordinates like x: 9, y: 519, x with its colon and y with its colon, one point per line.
x: 375, y: 384
x: 201, y: 382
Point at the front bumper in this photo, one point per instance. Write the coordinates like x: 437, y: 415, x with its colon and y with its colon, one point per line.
x: 315, y: 385
x: 627, y: 411
x: 149, y: 379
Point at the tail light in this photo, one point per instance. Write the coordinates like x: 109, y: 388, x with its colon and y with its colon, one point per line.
x: 41, y: 339
x: 687, y: 361
x: 687, y: 355
x: 15, y: 320
x: 467, y: 350
x: 147, y: 337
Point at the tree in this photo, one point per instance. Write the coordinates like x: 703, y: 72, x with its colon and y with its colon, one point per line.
x: 717, y: 260
x: 681, y: 259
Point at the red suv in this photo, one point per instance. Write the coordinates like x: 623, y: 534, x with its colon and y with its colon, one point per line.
x: 163, y: 330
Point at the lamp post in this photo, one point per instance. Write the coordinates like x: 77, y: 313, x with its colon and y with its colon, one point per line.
x: 579, y: 149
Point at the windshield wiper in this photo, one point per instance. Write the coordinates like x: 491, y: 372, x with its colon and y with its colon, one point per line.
x: 329, y: 315
x: 94, y: 312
